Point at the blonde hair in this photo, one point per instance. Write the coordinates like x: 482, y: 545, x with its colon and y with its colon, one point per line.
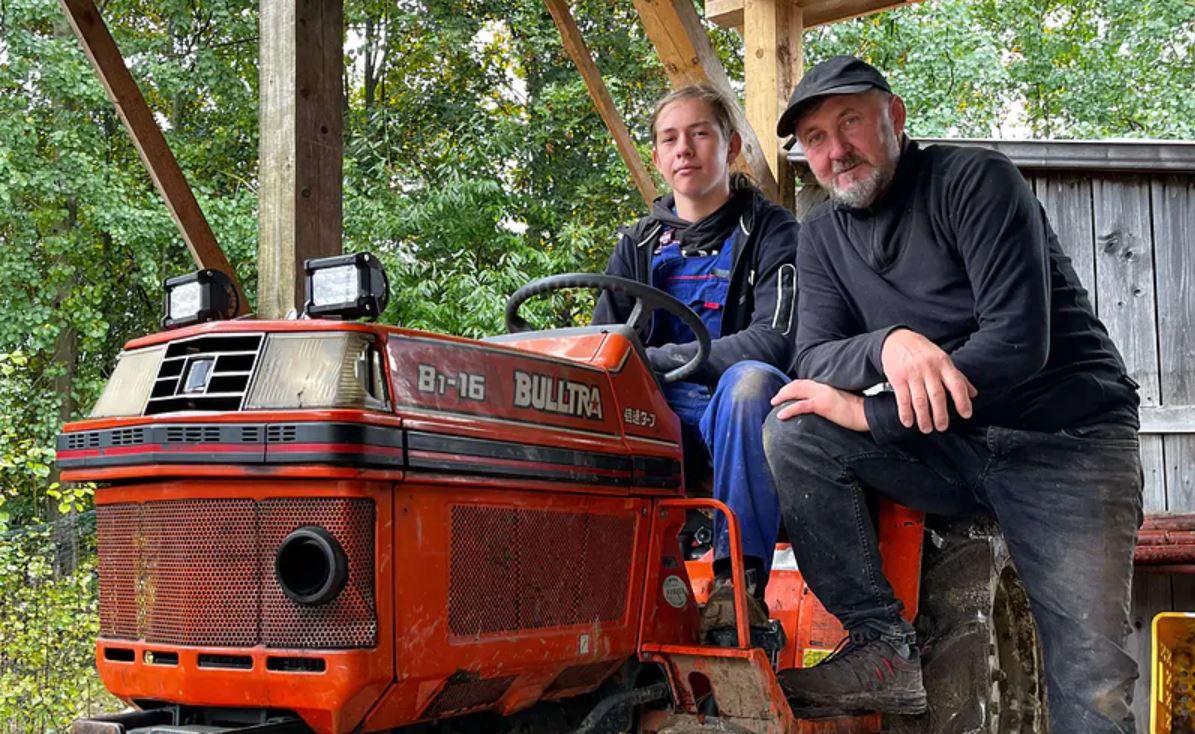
x: 725, y: 111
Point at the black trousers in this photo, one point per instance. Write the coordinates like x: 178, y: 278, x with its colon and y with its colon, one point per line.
x: 1068, y: 504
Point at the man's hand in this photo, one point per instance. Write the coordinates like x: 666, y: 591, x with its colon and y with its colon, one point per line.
x: 836, y: 406
x: 922, y: 375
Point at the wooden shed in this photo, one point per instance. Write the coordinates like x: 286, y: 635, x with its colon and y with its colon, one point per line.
x: 1124, y: 212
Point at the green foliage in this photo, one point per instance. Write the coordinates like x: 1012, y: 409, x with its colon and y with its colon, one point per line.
x: 474, y: 158
x: 48, y: 626
x: 1031, y: 68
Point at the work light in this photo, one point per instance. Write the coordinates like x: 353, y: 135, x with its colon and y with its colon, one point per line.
x: 345, y: 286
x: 205, y: 295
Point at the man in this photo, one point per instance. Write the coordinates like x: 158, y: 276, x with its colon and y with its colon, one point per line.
x: 935, y: 273
x: 719, y: 246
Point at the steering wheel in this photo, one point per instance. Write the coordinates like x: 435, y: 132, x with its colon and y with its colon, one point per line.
x: 647, y: 300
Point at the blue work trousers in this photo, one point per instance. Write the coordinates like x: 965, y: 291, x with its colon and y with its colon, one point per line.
x: 725, y: 430
x: 1068, y: 505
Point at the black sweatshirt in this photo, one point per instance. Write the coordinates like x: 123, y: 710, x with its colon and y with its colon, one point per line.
x: 959, y: 250
x: 758, y: 320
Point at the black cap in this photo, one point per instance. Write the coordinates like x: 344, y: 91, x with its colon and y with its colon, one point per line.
x: 839, y: 75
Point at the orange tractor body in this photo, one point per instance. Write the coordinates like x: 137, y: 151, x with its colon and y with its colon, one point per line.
x: 464, y: 526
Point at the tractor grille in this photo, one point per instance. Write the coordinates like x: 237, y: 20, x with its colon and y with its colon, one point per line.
x: 518, y: 569
x: 205, y: 373
x: 290, y: 625
x: 197, y: 581
x: 466, y: 694
x: 589, y: 675
x: 118, y: 530
x: 201, y: 572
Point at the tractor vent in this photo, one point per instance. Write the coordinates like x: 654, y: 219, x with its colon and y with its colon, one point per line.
x: 201, y: 572
x: 515, y: 569
x: 581, y: 677
x: 205, y: 373
x: 465, y: 693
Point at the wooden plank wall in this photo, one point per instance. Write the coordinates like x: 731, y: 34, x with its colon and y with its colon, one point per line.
x: 1131, y: 237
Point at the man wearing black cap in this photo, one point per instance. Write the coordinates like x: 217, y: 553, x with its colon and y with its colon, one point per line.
x: 934, y: 274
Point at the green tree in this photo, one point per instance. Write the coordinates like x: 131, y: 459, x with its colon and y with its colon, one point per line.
x: 1032, y: 68
x: 84, y: 245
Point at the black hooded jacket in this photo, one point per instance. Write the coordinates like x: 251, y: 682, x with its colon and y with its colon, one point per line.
x: 758, y: 320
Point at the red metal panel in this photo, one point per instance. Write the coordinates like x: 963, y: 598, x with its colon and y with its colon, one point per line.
x: 333, y: 701
x: 201, y: 572
x: 517, y: 569
x: 199, y: 585
x: 118, y: 537
x: 542, y: 586
x: 348, y: 621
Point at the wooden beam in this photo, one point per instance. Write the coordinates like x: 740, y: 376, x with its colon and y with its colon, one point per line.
x: 773, y: 60
x: 1168, y: 419
x: 302, y: 104
x: 578, y: 51
x: 729, y: 13
x: 688, y: 57
x: 147, y: 137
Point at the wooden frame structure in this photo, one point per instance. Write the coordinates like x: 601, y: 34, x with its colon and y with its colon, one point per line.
x: 147, y: 138
x: 301, y: 104
x: 773, y: 58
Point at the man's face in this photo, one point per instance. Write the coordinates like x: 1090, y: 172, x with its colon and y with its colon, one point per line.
x: 690, y: 151
x: 852, y: 143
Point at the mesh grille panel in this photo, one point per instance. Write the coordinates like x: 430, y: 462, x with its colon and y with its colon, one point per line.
x: 517, y: 569
x: 484, y: 570
x: 201, y: 572
x: 550, y: 567
x: 606, y: 569
x: 117, y: 535
x: 200, y: 561
x: 464, y: 695
x: 347, y: 621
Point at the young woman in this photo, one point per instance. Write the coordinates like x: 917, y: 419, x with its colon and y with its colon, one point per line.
x: 719, y: 246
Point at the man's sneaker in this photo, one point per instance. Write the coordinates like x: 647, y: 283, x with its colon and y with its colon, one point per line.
x: 864, y: 675
x: 718, y: 612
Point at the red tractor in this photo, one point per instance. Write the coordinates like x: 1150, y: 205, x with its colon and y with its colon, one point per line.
x: 319, y: 525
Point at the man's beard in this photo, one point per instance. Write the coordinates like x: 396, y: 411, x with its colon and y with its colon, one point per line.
x: 863, y: 193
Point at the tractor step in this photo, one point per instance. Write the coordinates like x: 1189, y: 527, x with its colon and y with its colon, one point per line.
x: 163, y: 721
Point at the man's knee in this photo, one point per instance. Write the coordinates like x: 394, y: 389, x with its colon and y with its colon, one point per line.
x: 782, y: 437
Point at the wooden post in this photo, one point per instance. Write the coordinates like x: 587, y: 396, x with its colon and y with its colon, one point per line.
x: 151, y: 145
x: 578, y: 51
x: 689, y: 58
x: 302, y: 103
x: 773, y: 60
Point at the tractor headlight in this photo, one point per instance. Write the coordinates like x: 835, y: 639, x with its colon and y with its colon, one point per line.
x: 130, y: 384
x: 313, y: 370
x: 204, y: 295
x: 346, y: 286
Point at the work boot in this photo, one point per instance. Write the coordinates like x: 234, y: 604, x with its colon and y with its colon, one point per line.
x: 867, y: 673
x: 718, y: 612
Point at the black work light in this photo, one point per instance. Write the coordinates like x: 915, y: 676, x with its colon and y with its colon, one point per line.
x: 346, y: 286
x: 205, y: 295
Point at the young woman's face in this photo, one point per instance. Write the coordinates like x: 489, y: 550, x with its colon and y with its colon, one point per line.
x: 690, y: 151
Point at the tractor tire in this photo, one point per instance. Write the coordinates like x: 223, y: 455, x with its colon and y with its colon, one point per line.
x: 981, y: 660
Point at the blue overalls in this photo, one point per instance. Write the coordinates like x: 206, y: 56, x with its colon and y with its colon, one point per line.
x: 730, y: 421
